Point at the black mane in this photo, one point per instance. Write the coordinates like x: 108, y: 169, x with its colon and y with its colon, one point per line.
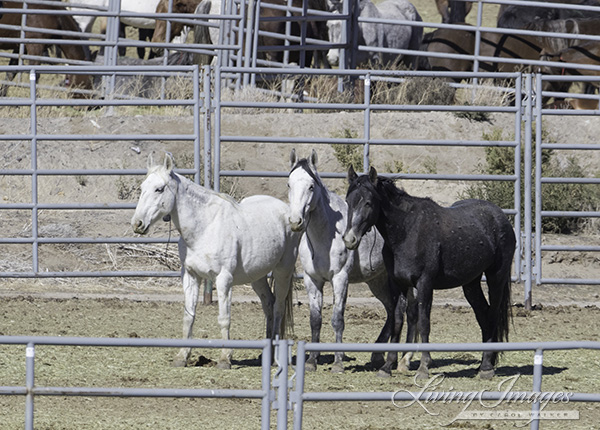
x: 303, y: 163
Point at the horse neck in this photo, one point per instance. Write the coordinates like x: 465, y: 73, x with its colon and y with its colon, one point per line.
x: 193, y: 208
x: 395, y: 206
x: 324, y: 212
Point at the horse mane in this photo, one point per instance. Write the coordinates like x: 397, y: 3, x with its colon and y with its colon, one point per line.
x: 396, y: 196
x: 194, y: 188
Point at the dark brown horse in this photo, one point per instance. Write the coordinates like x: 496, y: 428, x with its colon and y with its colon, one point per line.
x: 44, y: 22
x: 584, y: 53
x: 179, y: 6
x: 273, y: 21
x: 448, y: 41
x: 501, y: 46
x: 453, y: 12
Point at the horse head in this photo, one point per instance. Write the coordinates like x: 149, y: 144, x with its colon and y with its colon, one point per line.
x: 303, y: 186
x: 364, y: 205
x: 157, y: 199
x: 334, y: 30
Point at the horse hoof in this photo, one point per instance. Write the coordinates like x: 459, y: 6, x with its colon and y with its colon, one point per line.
x: 377, y: 360
x: 310, y: 366
x: 486, y: 374
x: 337, y: 368
x: 178, y: 362
x: 403, y: 368
x: 383, y: 374
x: 422, y: 374
x: 223, y: 365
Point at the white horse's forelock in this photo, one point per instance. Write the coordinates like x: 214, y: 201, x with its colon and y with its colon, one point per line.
x: 160, y: 170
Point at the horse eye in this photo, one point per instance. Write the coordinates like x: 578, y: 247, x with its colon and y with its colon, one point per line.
x: 160, y: 189
x: 311, y: 188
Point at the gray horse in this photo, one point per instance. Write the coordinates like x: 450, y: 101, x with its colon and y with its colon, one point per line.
x: 377, y: 35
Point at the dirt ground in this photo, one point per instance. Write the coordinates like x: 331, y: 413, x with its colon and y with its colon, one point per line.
x: 152, y: 307
x: 564, y: 371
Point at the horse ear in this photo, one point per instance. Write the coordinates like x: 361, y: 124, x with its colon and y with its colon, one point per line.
x: 373, y: 175
x: 169, y: 163
x: 351, y: 174
x: 314, y: 160
x: 150, y: 162
x: 293, y: 158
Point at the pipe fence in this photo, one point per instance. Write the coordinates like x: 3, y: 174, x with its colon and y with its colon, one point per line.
x: 285, y: 390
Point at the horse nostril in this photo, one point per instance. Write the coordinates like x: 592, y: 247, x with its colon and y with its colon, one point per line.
x: 137, y: 227
x: 296, y: 225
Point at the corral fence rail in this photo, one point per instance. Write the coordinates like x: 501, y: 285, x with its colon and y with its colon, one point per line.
x: 238, y: 44
x: 284, y: 389
x: 238, y: 64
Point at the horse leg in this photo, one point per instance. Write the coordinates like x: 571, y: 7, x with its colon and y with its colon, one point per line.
x: 499, y: 313
x: 314, y: 290
x: 223, y: 284
x: 10, y: 76
x: 400, y: 301
x: 190, y: 295
x: 340, y: 295
x: 424, y: 300
x: 380, y: 288
x: 412, y: 317
x: 476, y: 298
x: 262, y: 290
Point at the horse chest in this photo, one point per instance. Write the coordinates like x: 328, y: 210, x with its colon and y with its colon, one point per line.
x: 324, y: 258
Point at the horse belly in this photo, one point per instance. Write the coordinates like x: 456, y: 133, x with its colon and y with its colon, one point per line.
x: 139, y: 6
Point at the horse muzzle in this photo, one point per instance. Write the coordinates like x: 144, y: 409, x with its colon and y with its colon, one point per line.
x: 350, y: 240
x: 297, y: 226
x: 139, y: 227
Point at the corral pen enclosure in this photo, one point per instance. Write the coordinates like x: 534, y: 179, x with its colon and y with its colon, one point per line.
x: 91, y: 313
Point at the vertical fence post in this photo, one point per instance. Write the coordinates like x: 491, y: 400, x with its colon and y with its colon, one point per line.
x: 280, y: 382
x: 367, y: 123
x: 538, y: 361
x: 34, y: 167
x: 527, y: 194
x: 296, y: 395
x: 29, y: 383
x: 265, y: 410
x: 538, y: 181
x: 519, y: 180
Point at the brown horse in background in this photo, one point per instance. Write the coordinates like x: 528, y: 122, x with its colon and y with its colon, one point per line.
x: 506, y: 46
x: 315, y: 29
x: 43, y: 22
x: 453, y: 12
x: 587, y: 52
x: 179, y: 6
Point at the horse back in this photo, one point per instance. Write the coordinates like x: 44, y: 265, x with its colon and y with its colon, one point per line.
x: 453, y: 245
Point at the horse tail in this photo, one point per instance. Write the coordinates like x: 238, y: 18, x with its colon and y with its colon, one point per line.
x: 287, y: 321
x: 505, y: 311
x: 503, y: 306
x: 202, y: 33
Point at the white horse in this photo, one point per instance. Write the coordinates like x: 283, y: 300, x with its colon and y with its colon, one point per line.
x: 394, y: 36
x: 134, y: 6
x: 322, y: 215
x: 145, y: 25
x: 224, y: 241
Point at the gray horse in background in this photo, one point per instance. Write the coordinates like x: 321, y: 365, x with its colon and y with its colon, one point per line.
x: 394, y: 36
